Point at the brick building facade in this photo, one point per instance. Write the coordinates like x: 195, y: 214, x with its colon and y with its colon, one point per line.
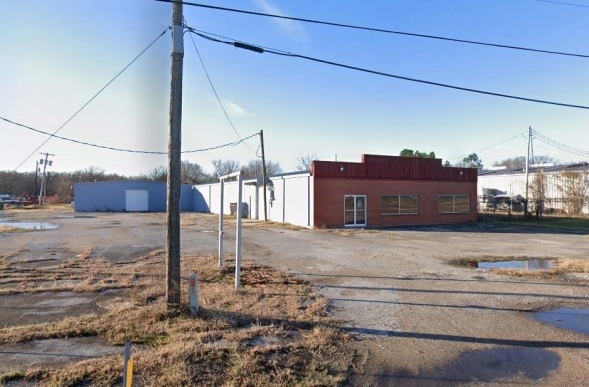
x: 385, y: 191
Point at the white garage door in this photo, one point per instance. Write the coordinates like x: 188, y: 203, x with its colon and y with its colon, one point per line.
x: 136, y: 200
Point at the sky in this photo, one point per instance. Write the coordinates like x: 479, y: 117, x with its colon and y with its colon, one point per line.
x: 56, y: 54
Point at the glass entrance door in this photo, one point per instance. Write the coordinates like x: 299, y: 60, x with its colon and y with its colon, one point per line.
x: 355, y: 210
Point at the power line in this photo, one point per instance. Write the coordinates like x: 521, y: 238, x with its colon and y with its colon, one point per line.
x: 496, y: 45
x: 563, y: 3
x: 122, y: 149
x: 215, y: 91
x: 549, y: 141
x: 256, y: 48
x: 491, y: 146
x: 93, y: 97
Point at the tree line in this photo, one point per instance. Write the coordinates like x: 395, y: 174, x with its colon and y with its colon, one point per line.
x: 60, y: 184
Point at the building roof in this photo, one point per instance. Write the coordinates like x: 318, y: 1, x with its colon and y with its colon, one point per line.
x: 577, y: 167
x: 393, y: 168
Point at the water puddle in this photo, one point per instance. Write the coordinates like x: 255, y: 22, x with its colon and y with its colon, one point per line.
x: 488, y: 366
x: 576, y: 320
x: 30, y: 225
x: 528, y: 264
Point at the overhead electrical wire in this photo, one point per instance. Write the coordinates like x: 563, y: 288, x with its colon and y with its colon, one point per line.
x: 122, y: 149
x: 94, y: 96
x: 259, y: 49
x: 559, y: 145
x: 372, y: 29
x: 215, y: 91
x: 564, y: 3
x: 490, y: 146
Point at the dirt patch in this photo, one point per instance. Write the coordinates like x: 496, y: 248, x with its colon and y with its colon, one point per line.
x: 276, y: 331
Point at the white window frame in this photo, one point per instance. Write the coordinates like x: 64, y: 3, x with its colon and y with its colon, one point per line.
x: 453, y: 204
x: 399, y: 213
x: 356, y: 210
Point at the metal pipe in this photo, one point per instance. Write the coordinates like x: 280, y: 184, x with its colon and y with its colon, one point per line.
x: 238, y: 235
x: 221, y: 224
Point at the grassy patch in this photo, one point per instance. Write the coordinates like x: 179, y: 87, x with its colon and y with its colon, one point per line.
x: 579, y: 223
x: 275, y: 332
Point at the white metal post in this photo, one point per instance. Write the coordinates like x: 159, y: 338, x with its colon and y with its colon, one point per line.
x: 221, y: 225
x: 238, y: 235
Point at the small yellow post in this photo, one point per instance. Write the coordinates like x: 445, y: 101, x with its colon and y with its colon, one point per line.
x: 129, y: 375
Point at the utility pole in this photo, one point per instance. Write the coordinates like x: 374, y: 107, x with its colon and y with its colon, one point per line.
x: 528, y: 168
x: 174, y: 154
x: 264, y: 175
x: 35, y: 190
x: 43, y: 187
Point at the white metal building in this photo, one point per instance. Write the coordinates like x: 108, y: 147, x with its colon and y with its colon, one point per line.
x: 554, y: 182
x: 289, y: 198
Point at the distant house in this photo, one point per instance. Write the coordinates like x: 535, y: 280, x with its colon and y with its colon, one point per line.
x: 556, y: 188
x: 379, y: 191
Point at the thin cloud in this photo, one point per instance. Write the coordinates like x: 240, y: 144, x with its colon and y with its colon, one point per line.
x: 291, y: 27
x: 233, y: 109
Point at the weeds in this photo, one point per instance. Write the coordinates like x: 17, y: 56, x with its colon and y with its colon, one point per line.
x: 275, y: 332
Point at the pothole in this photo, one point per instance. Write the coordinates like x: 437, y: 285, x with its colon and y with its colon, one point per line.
x: 576, y: 320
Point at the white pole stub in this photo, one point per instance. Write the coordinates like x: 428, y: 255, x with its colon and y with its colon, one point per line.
x: 193, y: 293
x: 238, y: 235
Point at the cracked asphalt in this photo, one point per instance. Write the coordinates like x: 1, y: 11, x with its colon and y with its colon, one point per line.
x: 416, y: 319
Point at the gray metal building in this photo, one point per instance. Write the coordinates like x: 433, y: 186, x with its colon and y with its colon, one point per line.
x: 127, y: 196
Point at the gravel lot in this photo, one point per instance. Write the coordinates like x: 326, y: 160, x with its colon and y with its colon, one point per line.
x: 418, y: 320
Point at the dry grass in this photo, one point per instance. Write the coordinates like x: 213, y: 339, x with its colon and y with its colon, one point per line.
x: 11, y: 230
x: 561, y: 266
x: 271, y: 224
x: 45, y: 208
x: 275, y: 332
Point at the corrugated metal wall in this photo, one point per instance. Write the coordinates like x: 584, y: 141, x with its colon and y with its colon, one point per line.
x: 515, y: 184
x: 393, y: 167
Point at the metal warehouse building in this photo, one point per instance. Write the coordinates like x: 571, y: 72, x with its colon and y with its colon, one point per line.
x: 130, y: 196
x: 563, y: 188
x: 379, y: 191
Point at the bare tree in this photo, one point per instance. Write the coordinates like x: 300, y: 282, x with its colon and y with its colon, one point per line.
x: 574, y: 189
x: 254, y: 168
x: 224, y: 167
x: 193, y: 173
x: 538, y: 192
x: 519, y: 162
x: 304, y: 162
x: 159, y: 173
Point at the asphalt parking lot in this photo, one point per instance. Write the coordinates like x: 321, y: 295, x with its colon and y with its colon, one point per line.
x: 418, y: 320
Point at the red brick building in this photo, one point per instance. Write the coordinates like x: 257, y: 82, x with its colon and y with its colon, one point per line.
x: 385, y: 191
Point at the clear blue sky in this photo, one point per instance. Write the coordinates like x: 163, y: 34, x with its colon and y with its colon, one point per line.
x: 55, y: 54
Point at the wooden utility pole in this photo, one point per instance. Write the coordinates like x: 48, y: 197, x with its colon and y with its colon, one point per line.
x: 528, y: 169
x: 174, y: 153
x: 264, y: 175
x: 43, y: 187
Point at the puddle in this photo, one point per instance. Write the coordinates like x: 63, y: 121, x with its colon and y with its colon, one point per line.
x: 528, y: 264
x: 30, y: 225
x: 487, y: 366
x: 576, y: 320
x: 74, y: 216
